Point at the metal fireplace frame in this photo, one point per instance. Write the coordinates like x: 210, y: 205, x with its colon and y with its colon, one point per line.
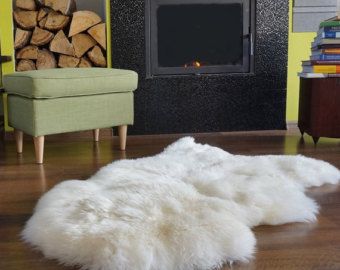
x: 152, y: 68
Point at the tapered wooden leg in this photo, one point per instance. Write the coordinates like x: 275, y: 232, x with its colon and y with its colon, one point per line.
x: 122, y: 132
x: 39, y: 148
x: 316, y: 139
x: 19, y: 138
x: 96, y: 135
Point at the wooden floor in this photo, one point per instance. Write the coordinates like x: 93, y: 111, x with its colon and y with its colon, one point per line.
x: 293, y: 246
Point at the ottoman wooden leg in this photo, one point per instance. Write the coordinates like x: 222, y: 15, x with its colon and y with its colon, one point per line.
x: 122, y: 132
x: 96, y: 135
x: 19, y: 138
x: 39, y: 148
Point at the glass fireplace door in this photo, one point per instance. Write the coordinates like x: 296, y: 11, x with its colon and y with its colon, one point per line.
x: 198, y: 36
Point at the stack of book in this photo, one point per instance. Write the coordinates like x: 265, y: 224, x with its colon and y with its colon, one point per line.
x: 325, y: 58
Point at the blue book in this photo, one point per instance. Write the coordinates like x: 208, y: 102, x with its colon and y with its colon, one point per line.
x: 325, y: 57
x: 330, y: 29
x: 330, y: 34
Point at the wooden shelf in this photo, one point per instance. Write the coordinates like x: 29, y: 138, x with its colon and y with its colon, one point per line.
x: 319, y: 112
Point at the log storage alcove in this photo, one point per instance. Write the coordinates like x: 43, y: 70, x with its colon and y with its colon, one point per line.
x: 53, y: 33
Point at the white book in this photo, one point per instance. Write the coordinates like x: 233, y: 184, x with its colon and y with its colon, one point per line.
x: 307, y: 69
x: 317, y: 75
x: 312, y: 75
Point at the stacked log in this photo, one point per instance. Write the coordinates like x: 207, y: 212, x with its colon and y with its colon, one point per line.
x: 51, y: 34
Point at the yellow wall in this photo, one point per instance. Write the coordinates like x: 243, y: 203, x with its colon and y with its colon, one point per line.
x: 6, y: 33
x: 299, y: 49
x: 108, y: 33
x: 6, y: 39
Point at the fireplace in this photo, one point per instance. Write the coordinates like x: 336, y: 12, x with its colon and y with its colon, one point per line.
x: 208, y: 102
x: 199, y: 37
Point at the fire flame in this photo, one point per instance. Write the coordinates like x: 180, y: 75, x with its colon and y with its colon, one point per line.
x: 195, y: 63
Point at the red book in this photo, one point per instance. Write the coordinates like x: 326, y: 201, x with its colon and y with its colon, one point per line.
x: 320, y: 62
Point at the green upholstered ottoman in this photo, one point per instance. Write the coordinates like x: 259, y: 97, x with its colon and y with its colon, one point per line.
x: 55, y: 101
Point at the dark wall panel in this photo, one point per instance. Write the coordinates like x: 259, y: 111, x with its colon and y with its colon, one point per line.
x: 225, y: 102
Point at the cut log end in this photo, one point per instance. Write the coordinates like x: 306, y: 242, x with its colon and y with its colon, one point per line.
x: 56, y: 21
x: 28, y: 52
x: 22, y: 37
x: 25, y: 65
x: 42, y: 13
x: 42, y: 22
x: 41, y: 37
x: 46, y: 60
x: 97, y: 57
x: 82, y: 43
x: 98, y: 32
x: 64, y: 6
x: 60, y: 44
x: 83, y: 20
x: 66, y: 61
x: 85, y: 63
x: 26, y: 19
x: 25, y: 4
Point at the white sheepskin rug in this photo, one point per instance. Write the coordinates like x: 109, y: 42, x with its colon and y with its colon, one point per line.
x: 190, y: 207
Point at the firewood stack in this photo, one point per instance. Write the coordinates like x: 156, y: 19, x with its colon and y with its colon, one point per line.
x: 51, y: 34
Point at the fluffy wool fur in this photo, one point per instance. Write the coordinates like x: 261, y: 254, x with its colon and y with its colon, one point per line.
x: 190, y: 207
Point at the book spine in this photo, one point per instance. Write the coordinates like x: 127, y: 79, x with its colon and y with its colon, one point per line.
x: 312, y: 75
x: 326, y: 57
x: 331, y: 51
x: 322, y: 62
x: 326, y: 69
x: 326, y: 51
x: 330, y: 35
x: 331, y: 29
x: 330, y: 24
x: 335, y: 42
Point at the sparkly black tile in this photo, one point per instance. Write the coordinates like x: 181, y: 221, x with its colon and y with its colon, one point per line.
x: 206, y: 103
